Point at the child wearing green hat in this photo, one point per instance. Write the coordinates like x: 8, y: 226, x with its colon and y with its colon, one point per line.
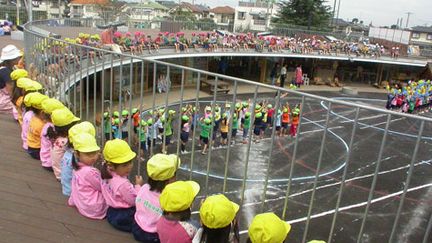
x: 184, y: 135
x: 206, y: 126
x: 142, y: 137
x: 118, y: 191
x: 161, y: 170
x: 218, y: 219
x: 176, y: 200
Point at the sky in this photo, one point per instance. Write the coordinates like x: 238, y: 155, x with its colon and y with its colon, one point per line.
x: 379, y: 12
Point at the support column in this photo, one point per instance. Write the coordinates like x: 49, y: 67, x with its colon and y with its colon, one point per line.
x: 263, y: 70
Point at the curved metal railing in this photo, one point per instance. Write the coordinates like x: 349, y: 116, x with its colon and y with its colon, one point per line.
x: 352, y: 172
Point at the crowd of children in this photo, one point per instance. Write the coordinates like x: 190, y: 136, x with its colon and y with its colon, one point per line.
x: 158, y: 210
x: 411, y: 97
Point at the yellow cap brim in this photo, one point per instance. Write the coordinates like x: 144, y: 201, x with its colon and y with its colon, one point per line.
x: 236, y: 207
x: 89, y: 149
x: 195, y: 187
x: 287, y: 228
x: 126, y: 158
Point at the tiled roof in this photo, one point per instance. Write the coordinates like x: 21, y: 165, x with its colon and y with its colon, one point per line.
x: 83, y: 2
x: 222, y: 10
x: 422, y: 29
x: 195, y: 8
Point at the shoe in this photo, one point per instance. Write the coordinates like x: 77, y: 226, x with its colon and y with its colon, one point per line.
x: 203, y: 153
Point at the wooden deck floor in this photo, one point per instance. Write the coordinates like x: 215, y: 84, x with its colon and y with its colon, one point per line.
x: 32, y: 207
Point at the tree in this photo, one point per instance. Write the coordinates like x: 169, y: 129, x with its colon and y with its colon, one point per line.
x: 304, y: 12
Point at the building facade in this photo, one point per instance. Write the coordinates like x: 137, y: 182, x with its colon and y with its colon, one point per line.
x: 254, y: 15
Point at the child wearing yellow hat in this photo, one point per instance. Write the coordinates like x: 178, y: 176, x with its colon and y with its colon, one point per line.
x: 86, y: 194
x: 63, y: 119
x: 17, y: 92
x: 27, y: 116
x: 218, y: 214
x: 268, y: 228
x: 161, y: 170
x: 118, y: 191
x: 175, y: 225
x: 48, y: 106
x: 35, y: 126
x: 68, y: 161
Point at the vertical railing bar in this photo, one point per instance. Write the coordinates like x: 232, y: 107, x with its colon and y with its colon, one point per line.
x: 153, y: 110
x: 166, y: 113
x: 252, y: 109
x: 179, y: 130
x: 130, y: 122
x: 317, y: 173
x: 278, y: 96
x: 210, y: 145
x: 428, y: 231
x: 75, y: 79
x: 374, y: 180
x: 120, y: 100
x: 111, y: 90
x: 194, y: 122
x: 103, y: 100
x: 293, y: 160
x: 87, y: 84
x: 140, y: 117
x: 341, y: 187
x: 94, y: 93
x: 81, y: 86
x: 407, y: 182
x: 227, y: 156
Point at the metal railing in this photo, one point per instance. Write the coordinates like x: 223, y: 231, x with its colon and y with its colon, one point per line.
x: 353, y: 172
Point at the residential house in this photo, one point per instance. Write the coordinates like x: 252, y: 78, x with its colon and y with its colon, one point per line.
x: 197, y: 11
x: 142, y: 14
x: 223, y: 17
x: 167, y: 3
x: 95, y: 9
x: 421, y: 36
x: 48, y: 9
x: 254, y: 15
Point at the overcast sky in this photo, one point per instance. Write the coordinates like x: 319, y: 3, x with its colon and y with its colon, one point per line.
x: 379, y: 12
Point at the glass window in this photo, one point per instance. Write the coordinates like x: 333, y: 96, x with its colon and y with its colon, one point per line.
x: 415, y: 35
x: 429, y: 37
x: 241, y: 15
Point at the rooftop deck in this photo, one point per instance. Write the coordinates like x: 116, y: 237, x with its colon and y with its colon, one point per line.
x: 32, y: 207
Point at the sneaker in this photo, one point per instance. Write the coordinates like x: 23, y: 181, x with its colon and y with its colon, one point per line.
x: 203, y: 153
x: 185, y: 151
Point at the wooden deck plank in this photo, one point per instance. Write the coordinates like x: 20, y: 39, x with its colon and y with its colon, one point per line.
x: 32, y: 207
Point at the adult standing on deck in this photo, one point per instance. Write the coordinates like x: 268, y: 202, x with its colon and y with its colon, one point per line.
x: 298, y: 75
x: 10, y: 56
x: 283, y: 74
x: 107, y: 39
x: 273, y: 73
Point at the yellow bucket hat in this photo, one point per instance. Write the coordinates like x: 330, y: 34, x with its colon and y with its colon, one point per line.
x: 63, y: 117
x: 33, y: 86
x: 18, y: 73
x: 85, y: 143
x: 117, y: 151
x: 51, y: 104
x: 28, y: 98
x: 82, y: 127
x: 23, y: 83
x: 178, y: 196
x: 268, y: 228
x: 217, y: 211
x: 36, y: 100
x: 161, y: 167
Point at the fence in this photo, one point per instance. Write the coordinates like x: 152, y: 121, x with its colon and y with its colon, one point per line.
x: 352, y: 172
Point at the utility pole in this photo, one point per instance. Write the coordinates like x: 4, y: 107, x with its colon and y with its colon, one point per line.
x: 337, y: 17
x: 333, y: 15
x: 408, y: 13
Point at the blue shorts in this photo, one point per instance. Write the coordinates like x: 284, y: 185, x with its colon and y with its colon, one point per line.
x: 143, y: 236
x: 125, y: 135
x: 143, y: 145
x: 184, y: 136
x: 205, y: 140
x: 121, y: 218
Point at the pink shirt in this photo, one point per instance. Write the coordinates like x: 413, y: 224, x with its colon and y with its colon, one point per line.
x: 57, y: 152
x: 171, y: 231
x: 25, y: 127
x: 86, y: 194
x: 119, y: 191
x: 148, y: 209
x: 45, y: 150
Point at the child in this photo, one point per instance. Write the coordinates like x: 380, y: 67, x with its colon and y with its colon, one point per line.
x: 86, y: 194
x: 224, y: 124
x: 68, y: 156
x: 125, y: 125
x: 175, y: 224
x: 116, y: 133
x: 117, y: 190
x: 184, y: 135
x: 35, y: 126
x: 48, y: 106
x: 270, y: 112
x: 161, y: 170
x: 285, y: 120
x: 234, y: 128
x: 151, y: 134
x: 295, y: 121
x: 167, y: 129
x: 268, y: 228
x: 217, y: 215
x: 279, y: 122
x: 63, y: 119
x: 257, y: 127
x: 27, y: 116
x: 142, y: 136
x: 206, y: 127
x: 107, y: 125
x: 246, y: 125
